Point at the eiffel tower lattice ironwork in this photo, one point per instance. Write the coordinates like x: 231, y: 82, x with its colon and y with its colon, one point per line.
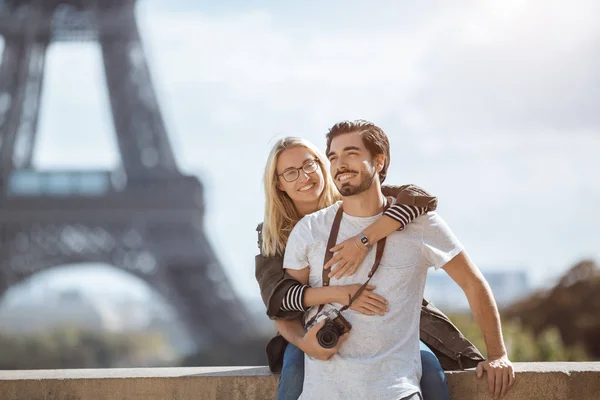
x: 144, y: 218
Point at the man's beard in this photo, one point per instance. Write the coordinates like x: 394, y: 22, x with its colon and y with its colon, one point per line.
x: 350, y: 190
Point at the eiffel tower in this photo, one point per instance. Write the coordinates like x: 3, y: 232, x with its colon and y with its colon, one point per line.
x: 146, y: 217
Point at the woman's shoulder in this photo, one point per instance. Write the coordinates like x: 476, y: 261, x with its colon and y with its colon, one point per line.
x: 412, y: 195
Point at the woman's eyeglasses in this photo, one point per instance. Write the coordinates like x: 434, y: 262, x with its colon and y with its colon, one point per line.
x: 291, y: 174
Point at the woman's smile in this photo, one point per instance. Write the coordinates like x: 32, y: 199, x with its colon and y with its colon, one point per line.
x: 307, y: 188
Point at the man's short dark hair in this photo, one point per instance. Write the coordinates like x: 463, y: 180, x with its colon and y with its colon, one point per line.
x: 373, y: 137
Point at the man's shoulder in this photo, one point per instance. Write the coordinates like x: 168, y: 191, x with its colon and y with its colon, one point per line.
x: 421, y: 224
x: 431, y: 218
x: 433, y: 227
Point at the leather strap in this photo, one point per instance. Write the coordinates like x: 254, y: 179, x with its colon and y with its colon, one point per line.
x: 335, y: 228
x: 378, y: 255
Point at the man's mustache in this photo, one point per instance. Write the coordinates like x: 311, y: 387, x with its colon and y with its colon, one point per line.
x: 346, y: 171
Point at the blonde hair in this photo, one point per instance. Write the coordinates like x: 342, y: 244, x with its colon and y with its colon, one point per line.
x: 280, y: 213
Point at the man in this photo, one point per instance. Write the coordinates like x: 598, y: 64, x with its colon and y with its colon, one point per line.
x: 380, y: 357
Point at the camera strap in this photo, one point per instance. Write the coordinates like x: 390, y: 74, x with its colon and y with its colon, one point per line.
x: 335, y: 228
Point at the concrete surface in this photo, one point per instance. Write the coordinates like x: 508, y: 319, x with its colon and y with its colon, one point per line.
x: 547, y: 381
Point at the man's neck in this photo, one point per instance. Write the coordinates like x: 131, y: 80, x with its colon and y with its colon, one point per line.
x: 365, y: 204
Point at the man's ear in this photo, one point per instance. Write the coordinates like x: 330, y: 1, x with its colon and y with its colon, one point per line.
x: 379, y: 162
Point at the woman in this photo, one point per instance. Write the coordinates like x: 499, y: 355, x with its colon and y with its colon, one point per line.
x: 297, y: 183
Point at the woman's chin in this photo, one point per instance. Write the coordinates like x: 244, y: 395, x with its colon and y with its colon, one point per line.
x: 310, y: 203
x: 308, y: 198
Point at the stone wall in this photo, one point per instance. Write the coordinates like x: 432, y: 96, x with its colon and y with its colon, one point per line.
x: 547, y: 381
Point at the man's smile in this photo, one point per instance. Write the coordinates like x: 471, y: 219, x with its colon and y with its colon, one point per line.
x: 345, y: 176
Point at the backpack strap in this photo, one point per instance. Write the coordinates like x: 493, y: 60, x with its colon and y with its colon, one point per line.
x: 260, y: 239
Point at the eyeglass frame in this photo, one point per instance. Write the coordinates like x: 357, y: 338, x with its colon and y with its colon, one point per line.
x: 297, y: 170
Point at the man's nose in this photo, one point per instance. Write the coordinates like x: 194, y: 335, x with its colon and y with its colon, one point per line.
x: 336, y: 166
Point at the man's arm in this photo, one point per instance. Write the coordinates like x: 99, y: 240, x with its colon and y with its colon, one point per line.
x: 481, y: 300
x: 483, y: 306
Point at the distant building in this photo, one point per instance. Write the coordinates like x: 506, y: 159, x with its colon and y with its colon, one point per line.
x: 507, y: 286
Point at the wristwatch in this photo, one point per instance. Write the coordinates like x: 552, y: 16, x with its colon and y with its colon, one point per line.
x: 365, y: 240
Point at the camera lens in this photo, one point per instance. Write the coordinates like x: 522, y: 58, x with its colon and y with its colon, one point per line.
x: 327, y: 337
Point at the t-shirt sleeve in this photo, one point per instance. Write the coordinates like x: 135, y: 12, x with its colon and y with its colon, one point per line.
x: 439, y: 245
x: 296, y: 250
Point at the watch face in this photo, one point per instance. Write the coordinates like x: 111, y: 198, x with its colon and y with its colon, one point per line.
x: 364, y: 240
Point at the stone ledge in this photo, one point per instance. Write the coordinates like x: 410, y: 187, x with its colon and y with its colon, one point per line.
x: 548, y: 381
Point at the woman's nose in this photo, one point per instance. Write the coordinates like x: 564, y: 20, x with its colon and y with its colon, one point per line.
x: 304, y: 176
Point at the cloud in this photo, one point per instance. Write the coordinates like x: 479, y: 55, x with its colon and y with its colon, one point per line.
x: 515, y: 65
x: 494, y: 99
x: 479, y: 96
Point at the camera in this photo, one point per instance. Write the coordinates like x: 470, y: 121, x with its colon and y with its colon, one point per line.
x: 335, y: 326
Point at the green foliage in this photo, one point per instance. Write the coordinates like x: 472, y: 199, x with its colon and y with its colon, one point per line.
x: 522, y: 344
x: 570, y: 308
x: 74, y: 348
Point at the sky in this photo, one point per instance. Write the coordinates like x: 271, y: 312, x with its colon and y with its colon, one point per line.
x: 491, y: 106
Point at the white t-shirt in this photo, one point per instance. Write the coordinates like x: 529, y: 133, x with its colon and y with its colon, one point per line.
x: 381, y: 358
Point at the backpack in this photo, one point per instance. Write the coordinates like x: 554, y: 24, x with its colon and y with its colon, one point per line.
x: 451, y: 347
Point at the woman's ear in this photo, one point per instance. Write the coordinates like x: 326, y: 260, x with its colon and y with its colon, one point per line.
x: 278, y: 186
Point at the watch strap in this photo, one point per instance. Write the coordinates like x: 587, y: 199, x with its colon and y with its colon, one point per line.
x: 365, y: 240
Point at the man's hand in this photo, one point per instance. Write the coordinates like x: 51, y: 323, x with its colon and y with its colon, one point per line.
x: 310, y: 344
x: 500, y: 375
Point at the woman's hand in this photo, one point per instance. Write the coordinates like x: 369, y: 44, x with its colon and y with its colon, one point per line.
x: 348, y: 255
x: 368, y: 303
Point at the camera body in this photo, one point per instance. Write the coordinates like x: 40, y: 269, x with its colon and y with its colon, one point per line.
x: 335, y: 326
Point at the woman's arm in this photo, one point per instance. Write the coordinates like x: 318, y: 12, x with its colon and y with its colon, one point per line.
x: 351, y: 252
x: 287, y: 295
x: 321, y: 295
x: 287, y: 298
x: 367, y: 303
x: 411, y: 202
x: 274, y: 285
